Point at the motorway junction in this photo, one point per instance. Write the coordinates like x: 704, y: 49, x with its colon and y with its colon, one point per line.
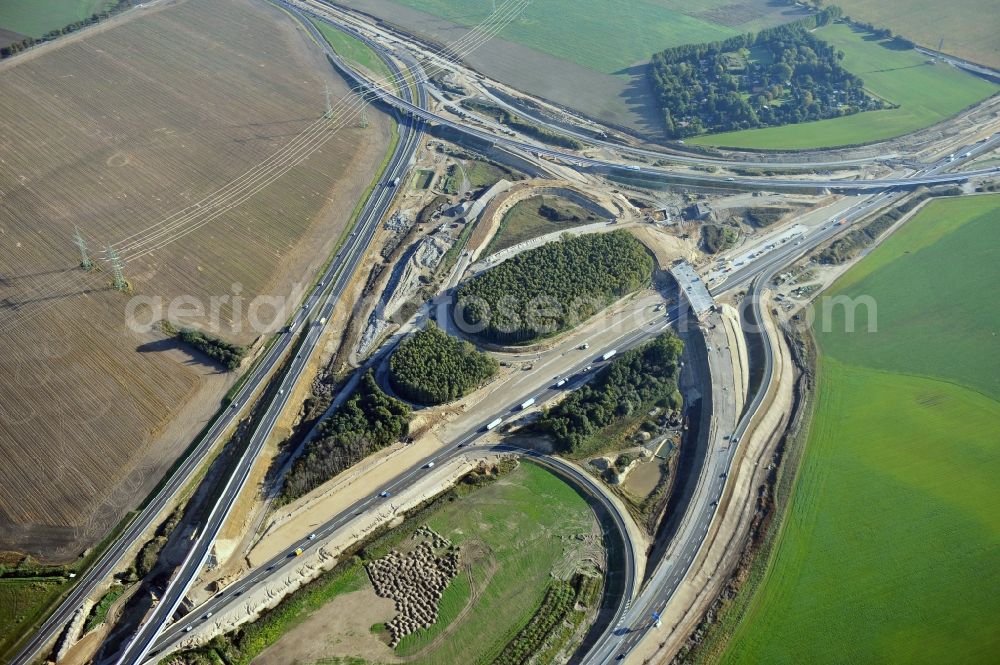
x: 243, y: 550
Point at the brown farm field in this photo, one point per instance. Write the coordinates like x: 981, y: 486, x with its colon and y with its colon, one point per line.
x: 126, y: 132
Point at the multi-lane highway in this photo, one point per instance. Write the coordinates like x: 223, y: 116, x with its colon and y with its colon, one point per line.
x: 723, y: 444
x: 319, y: 304
x: 390, y: 98
x: 337, y: 271
x: 580, y: 369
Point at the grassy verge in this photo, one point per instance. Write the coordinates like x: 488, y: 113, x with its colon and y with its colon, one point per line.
x: 24, y: 602
x: 450, y: 257
x: 353, y: 50
x: 524, y: 221
x: 99, y: 613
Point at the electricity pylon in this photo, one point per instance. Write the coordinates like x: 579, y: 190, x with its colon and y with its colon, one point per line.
x: 118, y: 271
x: 85, y: 261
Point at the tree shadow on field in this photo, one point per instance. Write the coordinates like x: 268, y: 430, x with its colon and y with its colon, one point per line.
x: 174, y: 344
x: 17, y: 304
x: 641, y: 101
x: 8, y: 280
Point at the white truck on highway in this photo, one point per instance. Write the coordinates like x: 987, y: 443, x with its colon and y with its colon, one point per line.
x: 609, y: 354
x: 526, y: 403
x: 493, y: 423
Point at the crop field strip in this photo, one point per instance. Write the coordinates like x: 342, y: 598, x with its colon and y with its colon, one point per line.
x: 889, y: 551
x: 302, y: 146
x: 79, y: 398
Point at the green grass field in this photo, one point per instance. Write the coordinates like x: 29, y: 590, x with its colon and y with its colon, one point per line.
x: 960, y: 24
x: 36, y: 17
x: 604, y: 36
x: 483, y: 174
x: 423, y: 178
x: 890, y: 551
x: 926, y: 94
x: 516, y: 535
x: 22, y: 603
x: 522, y: 222
x: 525, y: 525
x: 353, y: 50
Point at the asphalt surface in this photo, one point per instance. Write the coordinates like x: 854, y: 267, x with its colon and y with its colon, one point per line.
x: 723, y: 445
x: 319, y: 305
x: 578, y: 374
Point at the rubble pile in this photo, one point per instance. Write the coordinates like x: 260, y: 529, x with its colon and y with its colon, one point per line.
x: 415, y: 580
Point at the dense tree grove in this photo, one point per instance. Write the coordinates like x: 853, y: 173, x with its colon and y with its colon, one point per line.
x: 551, y: 288
x: 636, y: 378
x: 220, y: 350
x: 778, y: 76
x: 367, y: 421
x: 431, y: 367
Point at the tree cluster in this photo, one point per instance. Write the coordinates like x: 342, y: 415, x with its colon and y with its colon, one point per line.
x: 635, y: 379
x: 550, y: 289
x: 763, y: 217
x: 431, y: 367
x: 779, y: 76
x: 28, y: 42
x: 717, y: 237
x: 226, y: 353
x: 366, y: 422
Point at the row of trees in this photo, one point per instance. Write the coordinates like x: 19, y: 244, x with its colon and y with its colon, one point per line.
x: 431, y: 367
x: 228, y: 354
x: 28, y: 42
x: 638, y: 378
x: 778, y: 76
x: 368, y: 421
x: 550, y: 289
x: 515, y: 121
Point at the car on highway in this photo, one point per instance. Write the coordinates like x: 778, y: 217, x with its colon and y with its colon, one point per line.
x: 208, y: 615
x: 430, y: 465
x: 584, y: 346
x: 588, y: 368
x: 385, y: 494
x: 187, y: 629
x: 312, y: 536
